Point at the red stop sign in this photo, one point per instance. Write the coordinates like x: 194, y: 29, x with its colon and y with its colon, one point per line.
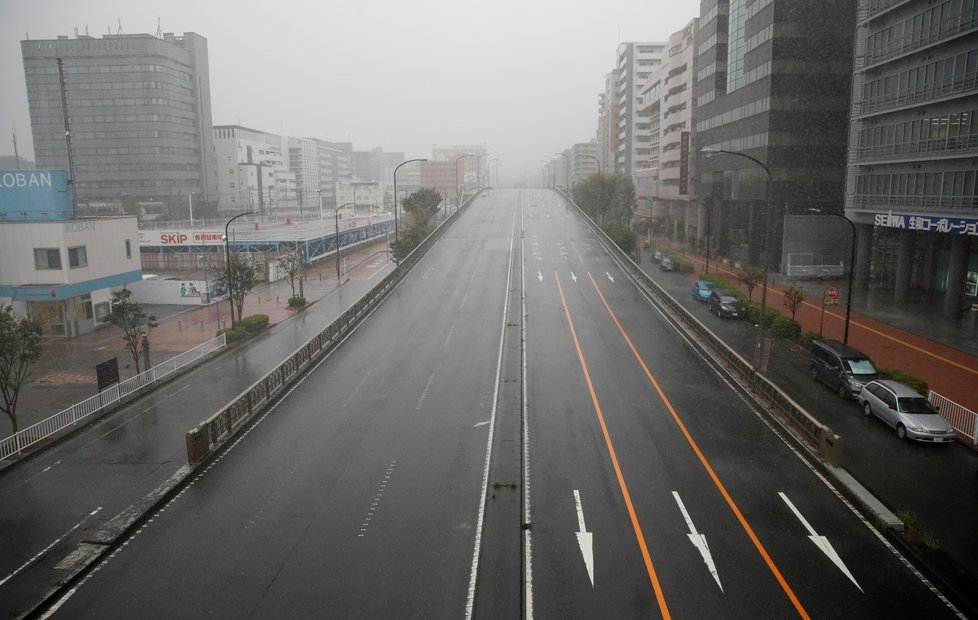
x: 832, y: 292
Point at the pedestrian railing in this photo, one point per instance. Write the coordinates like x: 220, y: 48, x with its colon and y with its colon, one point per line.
x: 212, y: 433
x: 14, y: 445
x: 964, y: 420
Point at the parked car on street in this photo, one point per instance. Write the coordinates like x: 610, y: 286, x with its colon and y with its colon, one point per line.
x: 726, y: 305
x: 843, y: 368
x: 657, y: 256
x: 702, y: 290
x: 667, y: 264
x: 904, y: 409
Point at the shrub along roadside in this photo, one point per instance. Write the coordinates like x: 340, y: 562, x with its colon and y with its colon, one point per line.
x: 685, y: 265
x: 246, y: 328
x: 898, y: 375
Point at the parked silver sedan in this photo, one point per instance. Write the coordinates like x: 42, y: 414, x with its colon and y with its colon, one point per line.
x: 904, y: 409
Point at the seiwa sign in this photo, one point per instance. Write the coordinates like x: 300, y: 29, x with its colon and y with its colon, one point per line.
x: 170, y: 238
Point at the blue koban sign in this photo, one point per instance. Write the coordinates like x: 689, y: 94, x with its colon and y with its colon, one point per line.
x: 35, y: 195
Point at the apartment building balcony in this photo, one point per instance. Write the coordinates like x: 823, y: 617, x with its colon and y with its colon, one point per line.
x: 876, y: 202
x: 950, y: 28
x: 935, y: 148
x: 878, y: 7
x: 948, y: 88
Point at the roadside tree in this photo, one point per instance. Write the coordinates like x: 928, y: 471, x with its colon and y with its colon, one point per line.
x: 423, y: 206
x: 793, y: 299
x: 751, y: 278
x: 20, y: 348
x: 291, y: 264
x: 241, y: 279
x: 129, y: 316
x: 606, y: 197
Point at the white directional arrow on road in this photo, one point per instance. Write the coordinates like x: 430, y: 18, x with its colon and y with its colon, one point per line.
x: 821, y: 542
x: 573, y: 277
x: 540, y: 276
x: 609, y: 276
x: 699, y: 541
x: 584, y: 539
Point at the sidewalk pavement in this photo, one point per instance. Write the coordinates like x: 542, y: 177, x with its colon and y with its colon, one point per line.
x: 907, y: 339
x: 65, y: 373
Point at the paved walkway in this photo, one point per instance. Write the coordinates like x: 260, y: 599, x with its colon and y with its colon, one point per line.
x: 65, y: 374
x: 902, y: 340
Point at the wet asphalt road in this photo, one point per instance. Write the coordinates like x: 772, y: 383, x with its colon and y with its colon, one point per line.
x: 358, y: 495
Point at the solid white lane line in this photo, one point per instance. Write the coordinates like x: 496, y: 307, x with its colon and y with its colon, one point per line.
x: 470, y: 602
x: 41, y: 553
x: 527, y: 542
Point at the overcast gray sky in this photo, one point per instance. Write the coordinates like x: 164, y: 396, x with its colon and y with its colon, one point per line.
x: 519, y: 76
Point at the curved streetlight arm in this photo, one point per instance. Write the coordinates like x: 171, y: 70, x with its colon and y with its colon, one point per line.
x: 395, y: 191
x: 708, y: 151
x: 227, y: 255
x: 596, y: 160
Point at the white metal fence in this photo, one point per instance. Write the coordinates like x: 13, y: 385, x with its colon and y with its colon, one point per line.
x: 46, y: 428
x: 964, y: 420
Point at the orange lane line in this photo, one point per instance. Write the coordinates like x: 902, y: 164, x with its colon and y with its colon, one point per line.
x: 659, y: 596
x: 706, y: 464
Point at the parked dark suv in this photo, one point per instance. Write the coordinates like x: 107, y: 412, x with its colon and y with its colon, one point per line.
x: 844, y: 369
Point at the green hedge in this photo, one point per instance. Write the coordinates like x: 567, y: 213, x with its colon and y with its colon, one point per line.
x: 770, y: 314
x: 685, y: 265
x: 787, y: 327
x: 297, y: 302
x: 898, y: 375
x: 245, y: 328
x: 806, y: 340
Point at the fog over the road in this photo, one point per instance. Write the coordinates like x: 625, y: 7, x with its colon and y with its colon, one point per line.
x: 521, y: 78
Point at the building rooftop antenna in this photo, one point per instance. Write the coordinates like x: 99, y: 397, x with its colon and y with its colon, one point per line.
x: 119, y: 21
x: 159, y: 28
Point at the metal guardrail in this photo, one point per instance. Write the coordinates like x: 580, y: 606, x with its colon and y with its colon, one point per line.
x: 208, y: 436
x: 964, y: 420
x: 818, y: 436
x: 70, y: 417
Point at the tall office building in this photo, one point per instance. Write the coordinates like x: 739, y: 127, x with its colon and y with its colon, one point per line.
x: 663, y: 187
x: 772, y: 85
x: 253, y: 173
x: 139, y: 113
x: 636, y: 61
x: 912, y: 187
x: 607, y: 134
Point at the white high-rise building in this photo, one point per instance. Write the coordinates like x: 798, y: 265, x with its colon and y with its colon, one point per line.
x: 636, y: 61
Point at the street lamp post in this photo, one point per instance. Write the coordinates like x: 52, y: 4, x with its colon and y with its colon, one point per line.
x: 489, y: 172
x: 566, y: 170
x: 322, y: 223
x: 852, y: 269
x: 458, y: 186
x: 596, y: 160
x: 708, y: 151
x: 478, y: 170
x: 336, y: 221
x: 227, y: 255
x: 395, y: 191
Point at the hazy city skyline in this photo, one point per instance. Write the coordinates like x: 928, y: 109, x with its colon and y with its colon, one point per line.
x: 520, y: 78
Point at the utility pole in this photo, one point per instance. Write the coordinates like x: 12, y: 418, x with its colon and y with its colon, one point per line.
x: 64, y: 109
x: 16, y: 154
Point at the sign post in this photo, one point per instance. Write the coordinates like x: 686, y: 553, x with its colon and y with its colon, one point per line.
x: 830, y: 298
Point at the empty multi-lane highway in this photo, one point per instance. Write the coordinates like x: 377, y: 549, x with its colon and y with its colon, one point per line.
x: 646, y: 486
